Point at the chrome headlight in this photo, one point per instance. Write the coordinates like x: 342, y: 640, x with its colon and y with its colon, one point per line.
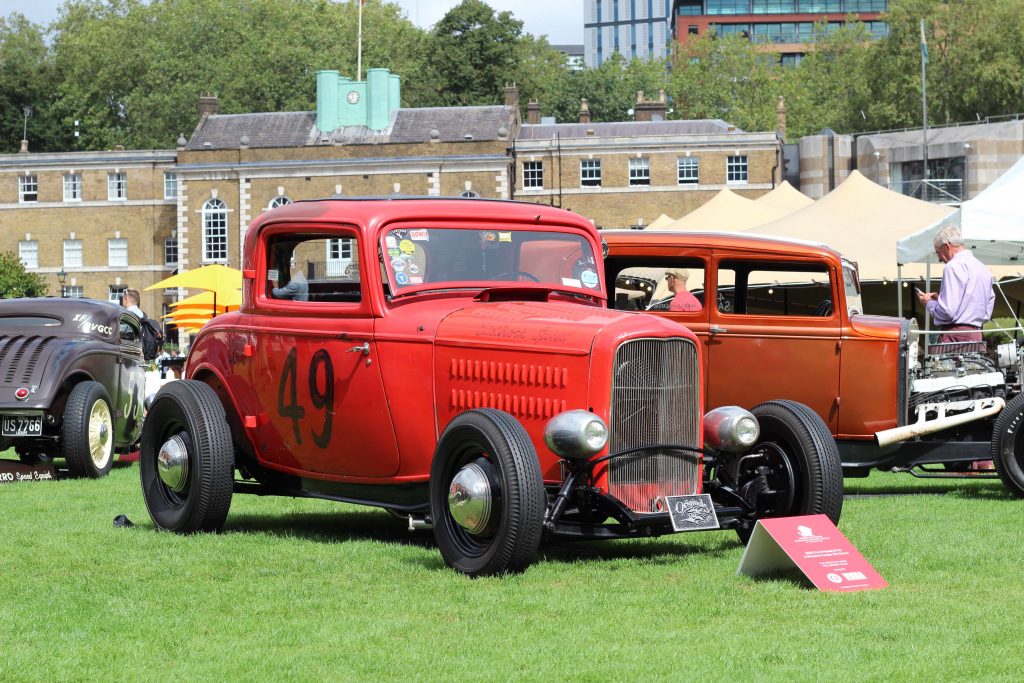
x: 731, y: 429
x: 576, y: 434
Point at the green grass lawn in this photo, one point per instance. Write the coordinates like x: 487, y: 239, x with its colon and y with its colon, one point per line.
x: 311, y: 590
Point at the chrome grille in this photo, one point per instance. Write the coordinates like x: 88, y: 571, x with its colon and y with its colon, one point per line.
x: 655, y: 400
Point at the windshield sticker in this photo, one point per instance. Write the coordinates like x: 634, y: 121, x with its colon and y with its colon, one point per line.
x: 571, y: 282
x: 398, y: 265
x: 394, y: 253
x: 589, y: 279
x: 504, y: 236
x: 84, y: 322
x: 390, y: 242
x: 401, y: 278
x: 419, y: 235
x: 272, y: 274
x: 415, y: 281
x: 490, y: 236
x: 413, y: 268
x: 407, y: 247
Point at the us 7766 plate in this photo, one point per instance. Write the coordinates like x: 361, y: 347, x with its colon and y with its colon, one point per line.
x: 22, y: 425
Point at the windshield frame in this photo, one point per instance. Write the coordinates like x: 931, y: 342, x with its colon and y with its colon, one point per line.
x: 597, y: 293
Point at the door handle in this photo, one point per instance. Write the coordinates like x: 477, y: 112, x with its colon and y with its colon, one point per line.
x: 364, y: 348
x: 715, y: 329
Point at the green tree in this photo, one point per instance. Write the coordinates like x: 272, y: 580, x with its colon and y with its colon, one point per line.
x: 26, y: 80
x: 473, y: 51
x: 15, y: 281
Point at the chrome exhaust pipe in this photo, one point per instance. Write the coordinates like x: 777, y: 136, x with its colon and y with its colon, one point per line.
x: 981, y: 408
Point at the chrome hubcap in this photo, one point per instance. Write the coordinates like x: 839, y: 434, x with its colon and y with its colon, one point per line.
x: 172, y: 464
x: 469, y: 498
x: 101, y: 442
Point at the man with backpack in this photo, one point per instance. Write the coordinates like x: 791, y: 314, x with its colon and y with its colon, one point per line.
x: 151, y: 333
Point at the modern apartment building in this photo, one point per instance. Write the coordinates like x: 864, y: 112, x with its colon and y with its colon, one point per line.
x: 787, y: 26
x: 634, y: 28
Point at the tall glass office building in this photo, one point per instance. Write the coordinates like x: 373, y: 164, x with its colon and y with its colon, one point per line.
x: 635, y: 28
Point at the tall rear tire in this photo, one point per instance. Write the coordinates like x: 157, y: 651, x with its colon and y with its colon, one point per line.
x: 801, y: 463
x: 186, y: 459
x: 1008, y: 445
x: 487, y: 495
x: 88, y: 431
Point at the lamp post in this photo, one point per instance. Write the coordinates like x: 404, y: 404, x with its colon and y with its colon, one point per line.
x: 62, y: 277
x: 27, y: 111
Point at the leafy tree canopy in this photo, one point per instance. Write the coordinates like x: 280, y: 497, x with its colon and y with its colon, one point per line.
x: 15, y: 282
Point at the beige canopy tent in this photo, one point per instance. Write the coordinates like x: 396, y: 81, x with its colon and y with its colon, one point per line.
x: 785, y: 197
x: 862, y: 220
x: 660, y: 222
x: 726, y: 211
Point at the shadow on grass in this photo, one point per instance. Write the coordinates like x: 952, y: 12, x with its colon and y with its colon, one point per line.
x: 372, y: 525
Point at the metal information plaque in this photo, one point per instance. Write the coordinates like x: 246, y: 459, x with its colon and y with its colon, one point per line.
x: 12, y: 472
x: 692, y: 513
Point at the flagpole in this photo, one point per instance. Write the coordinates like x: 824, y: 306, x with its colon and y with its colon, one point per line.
x: 359, y: 57
x: 924, y: 108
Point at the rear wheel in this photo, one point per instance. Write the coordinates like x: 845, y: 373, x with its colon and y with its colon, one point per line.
x: 487, y: 495
x: 186, y: 459
x: 798, y: 470
x: 88, y: 431
x: 1008, y: 445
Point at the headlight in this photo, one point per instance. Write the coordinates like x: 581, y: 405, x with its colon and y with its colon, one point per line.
x: 576, y: 434
x: 731, y: 429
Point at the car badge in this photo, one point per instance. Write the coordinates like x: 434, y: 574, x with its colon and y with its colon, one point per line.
x: 21, y: 393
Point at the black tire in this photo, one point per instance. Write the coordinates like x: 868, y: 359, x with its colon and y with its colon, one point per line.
x: 795, y: 433
x: 499, y: 444
x: 88, y: 431
x: 1008, y: 445
x: 188, y: 410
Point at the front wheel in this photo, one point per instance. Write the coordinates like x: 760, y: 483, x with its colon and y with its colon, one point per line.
x: 186, y: 459
x: 487, y: 494
x: 1008, y: 445
x: 795, y: 469
x: 88, y: 431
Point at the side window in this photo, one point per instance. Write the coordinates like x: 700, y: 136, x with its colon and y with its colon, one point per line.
x: 129, y: 331
x: 799, y: 289
x: 673, y: 285
x: 313, y: 268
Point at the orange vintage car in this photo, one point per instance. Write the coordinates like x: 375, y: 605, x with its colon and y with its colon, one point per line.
x: 779, y: 317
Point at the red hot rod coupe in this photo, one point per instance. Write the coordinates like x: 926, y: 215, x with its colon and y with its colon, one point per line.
x: 453, y: 361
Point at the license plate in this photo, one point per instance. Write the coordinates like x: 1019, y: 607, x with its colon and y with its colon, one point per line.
x: 22, y: 425
x: 692, y: 513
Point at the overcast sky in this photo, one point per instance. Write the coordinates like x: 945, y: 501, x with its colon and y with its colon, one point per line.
x: 560, y: 20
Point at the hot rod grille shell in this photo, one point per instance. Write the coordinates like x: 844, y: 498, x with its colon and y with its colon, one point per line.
x: 655, y: 400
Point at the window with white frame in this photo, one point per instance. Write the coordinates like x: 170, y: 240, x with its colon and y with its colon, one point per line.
x: 688, y: 170
x: 736, y: 169
x: 73, y: 292
x: 533, y: 174
x: 280, y: 200
x: 590, y: 172
x: 117, y: 253
x: 72, y: 253
x: 170, y: 185
x: 72, y: 187
x: 640, y: 171
x: 116, y: 292
x: 28, y: 252
x: 215, y: 231
x: 117, y: 186
x: 28, y: 188
x: 171, y: 252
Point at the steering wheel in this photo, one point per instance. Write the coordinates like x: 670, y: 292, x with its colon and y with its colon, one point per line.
x: 515, y: 275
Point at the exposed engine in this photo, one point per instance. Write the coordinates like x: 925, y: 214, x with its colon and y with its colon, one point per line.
x: 965, y: 376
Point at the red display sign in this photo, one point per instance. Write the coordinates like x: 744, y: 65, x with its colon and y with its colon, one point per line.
x: 813, y: 545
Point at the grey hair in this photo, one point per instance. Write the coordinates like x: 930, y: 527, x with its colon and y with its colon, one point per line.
x: 949, y: 235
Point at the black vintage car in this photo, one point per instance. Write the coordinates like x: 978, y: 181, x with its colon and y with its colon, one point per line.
x: 72, y: 381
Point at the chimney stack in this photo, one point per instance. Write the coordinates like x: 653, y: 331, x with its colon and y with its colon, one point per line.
x: 780, y: 119
x: 511, y: 95
x: 533, y: 112
x: 650, y: 110
x: 208, y: 105
x: 584, y: 111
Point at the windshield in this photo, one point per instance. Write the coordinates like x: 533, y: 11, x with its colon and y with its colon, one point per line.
x: 441, y: 258
x: 851, y: 283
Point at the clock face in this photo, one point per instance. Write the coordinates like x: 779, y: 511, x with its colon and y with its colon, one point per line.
x: 352, y: 97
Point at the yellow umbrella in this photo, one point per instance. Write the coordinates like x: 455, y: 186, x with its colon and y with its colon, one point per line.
x: 226, y: 301
x: 222, y: 281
